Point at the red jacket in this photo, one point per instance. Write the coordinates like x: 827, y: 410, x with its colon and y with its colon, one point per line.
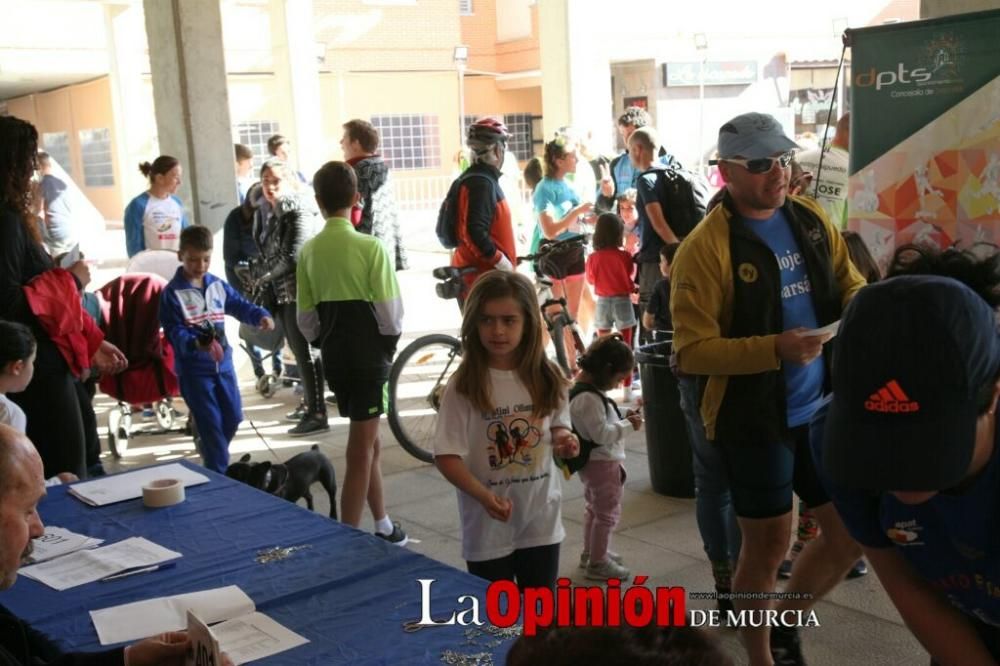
x: 55, y: 300
x: 610, y: 271
x: 483, y: 222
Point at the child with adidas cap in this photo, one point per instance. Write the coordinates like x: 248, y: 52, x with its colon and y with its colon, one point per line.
x: 910, y: 451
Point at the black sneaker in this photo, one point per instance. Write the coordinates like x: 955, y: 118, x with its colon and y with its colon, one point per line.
x: 398, y: 536
x: 859, y: 569
x: 297, y: 413
x: 786, y: 648
x: 310, y: 423
x: 785, y: 570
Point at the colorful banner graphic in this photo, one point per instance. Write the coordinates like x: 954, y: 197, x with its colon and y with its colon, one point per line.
x: 925, y: 133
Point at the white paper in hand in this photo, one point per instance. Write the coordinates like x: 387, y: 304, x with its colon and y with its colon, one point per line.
x: 819, y: 332
x: 204, y: 648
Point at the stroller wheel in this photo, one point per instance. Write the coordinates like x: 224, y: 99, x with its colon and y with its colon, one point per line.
x: 119, y: 424
x: 164, y: 414
x: 267, y: 385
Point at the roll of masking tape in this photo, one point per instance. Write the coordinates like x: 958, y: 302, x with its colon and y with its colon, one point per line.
x: 163, y: 492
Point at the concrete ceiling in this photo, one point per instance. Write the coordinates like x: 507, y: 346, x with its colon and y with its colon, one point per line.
x: 17, y: 85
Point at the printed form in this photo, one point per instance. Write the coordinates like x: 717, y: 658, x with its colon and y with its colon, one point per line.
x: 87, y: 566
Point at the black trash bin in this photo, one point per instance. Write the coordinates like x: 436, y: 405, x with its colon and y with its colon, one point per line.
x: 667, y: 446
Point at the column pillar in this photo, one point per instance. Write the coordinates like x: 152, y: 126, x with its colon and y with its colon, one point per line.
x: 571, y: 52
x: 129, y: 103
x: 192, y: 102
x: 296, y: 69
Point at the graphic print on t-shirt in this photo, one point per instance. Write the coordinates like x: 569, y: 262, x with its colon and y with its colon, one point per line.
x: 512, y: 442
x: 803, y: 383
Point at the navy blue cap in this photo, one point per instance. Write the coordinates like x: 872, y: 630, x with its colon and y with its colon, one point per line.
x: 753, y: 136
x: 909, y: 362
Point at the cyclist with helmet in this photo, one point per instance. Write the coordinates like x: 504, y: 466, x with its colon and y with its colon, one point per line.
x: 483, y: 222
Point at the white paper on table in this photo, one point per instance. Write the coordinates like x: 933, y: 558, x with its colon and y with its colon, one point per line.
x: 204, y: 646
x: 829, y: 328
x: 140, y: 619
x: 86, y: 566
x: 121, y: 487
x: 253, y: 637
x: 58, y: 541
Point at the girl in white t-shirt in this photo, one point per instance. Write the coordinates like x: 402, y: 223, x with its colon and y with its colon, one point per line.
x: 154, y: 219
x: 17, y: 367
x: 502, y: 415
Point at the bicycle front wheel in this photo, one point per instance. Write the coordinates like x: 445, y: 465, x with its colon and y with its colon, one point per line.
x: 416, y: 384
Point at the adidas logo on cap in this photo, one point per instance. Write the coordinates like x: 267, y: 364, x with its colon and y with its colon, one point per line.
x: 891, y: 399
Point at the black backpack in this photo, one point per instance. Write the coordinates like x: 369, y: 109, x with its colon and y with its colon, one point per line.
x: 571, y: 466
x: 447, y: 222
x: 686, y: 197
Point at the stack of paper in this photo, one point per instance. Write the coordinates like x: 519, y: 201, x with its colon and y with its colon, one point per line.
x: 86, y: 566
x: 58, y: 541
x: 121, y: 487
x: 245, y: 635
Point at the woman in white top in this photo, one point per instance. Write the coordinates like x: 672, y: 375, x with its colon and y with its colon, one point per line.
x: 155, y: 218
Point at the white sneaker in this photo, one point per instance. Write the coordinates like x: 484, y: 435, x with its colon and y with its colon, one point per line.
x: 605, y: 570
x: 585, y: 558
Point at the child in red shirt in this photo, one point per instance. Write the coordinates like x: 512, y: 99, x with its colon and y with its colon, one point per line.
x: 611, y: 270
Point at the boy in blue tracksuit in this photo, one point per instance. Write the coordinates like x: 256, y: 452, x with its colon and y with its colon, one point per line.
x: 193, y: 310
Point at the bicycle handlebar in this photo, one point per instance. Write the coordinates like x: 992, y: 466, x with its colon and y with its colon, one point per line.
x: 554, y: 246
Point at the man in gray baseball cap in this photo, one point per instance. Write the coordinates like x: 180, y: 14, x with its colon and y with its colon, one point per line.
x: 753, y: 136
x: 750, y: 287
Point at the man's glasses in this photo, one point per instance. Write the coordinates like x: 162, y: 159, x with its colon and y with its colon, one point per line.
x: 759, y: 165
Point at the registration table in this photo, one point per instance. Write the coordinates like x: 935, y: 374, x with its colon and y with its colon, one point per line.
x: 346, y: 591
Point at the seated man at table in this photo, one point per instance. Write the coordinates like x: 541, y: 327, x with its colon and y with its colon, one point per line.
x: 21, y: 487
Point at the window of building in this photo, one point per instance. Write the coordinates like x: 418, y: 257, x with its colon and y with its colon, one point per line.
x: 521, y: 127
x: 95, y: 151
x: 254, y: 134
x: 522, y: 137
x: 56, y: 144
x: 465, y: 7
x: 409, y: 141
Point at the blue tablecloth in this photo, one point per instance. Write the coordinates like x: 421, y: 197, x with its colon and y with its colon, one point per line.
x: 348, y: 592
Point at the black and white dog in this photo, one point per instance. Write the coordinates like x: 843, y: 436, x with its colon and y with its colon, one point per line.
x: 292, y: 479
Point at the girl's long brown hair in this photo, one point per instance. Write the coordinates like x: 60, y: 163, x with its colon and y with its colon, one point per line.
x: 543, y: 379
x: 18, y: 152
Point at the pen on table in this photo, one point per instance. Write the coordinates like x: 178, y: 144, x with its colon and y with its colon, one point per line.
x: 132, y: 572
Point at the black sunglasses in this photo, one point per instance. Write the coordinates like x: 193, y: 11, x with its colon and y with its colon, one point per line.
x: 759, y: 165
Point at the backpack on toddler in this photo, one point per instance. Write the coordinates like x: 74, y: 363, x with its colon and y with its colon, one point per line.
x: 571, y: 466
x: 686, y: 197
x: 447, y: 221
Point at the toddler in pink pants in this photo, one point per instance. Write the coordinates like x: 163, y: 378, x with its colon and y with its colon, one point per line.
x: 601, y: 429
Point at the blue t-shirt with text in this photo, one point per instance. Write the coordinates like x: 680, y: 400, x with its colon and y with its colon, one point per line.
x: 803, y: 383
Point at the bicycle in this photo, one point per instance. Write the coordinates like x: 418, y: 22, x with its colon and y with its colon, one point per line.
x: 422, y: 369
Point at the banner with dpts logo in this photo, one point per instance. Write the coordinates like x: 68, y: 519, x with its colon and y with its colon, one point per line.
x: 925, y: 133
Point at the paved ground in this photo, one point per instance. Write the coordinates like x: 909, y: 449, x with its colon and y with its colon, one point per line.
x: 658, y: 535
